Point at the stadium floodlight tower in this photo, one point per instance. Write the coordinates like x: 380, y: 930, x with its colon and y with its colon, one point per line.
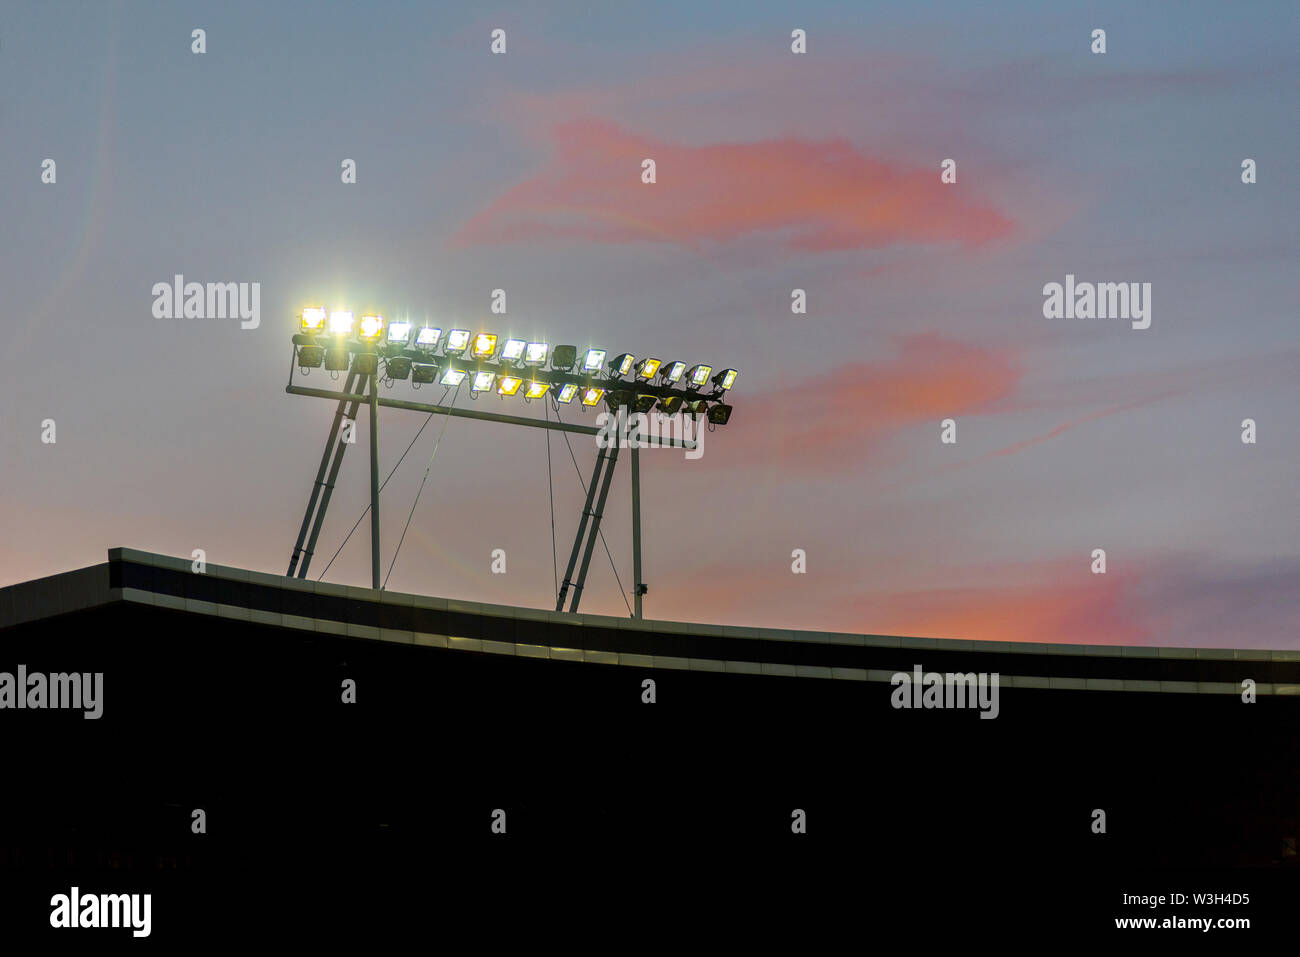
x: 373, y: 350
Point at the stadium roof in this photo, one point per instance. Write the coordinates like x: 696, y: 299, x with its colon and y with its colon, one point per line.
x: 142, y: 578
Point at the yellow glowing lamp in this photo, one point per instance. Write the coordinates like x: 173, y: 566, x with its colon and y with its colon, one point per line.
x: 372, y: 327
x: 647, y: 368
x: 312, y: 319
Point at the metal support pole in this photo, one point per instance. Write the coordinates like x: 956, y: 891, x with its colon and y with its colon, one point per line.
x: 320, y: 474
x: 455, y: 412
x: 637, y: 588
x: 374, y: 483
x: 348, y: 405
x: 582, y: 528
x: 339, y: 448
x: 595, y: 529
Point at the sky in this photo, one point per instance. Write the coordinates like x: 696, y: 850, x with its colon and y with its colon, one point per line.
x: 775, y: 171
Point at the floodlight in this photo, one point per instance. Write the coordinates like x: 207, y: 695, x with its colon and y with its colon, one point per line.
x: 372, y: 327
x: 594, y: 360
x: 621, y: 365
x: 647, y: 368
x: 340, y: 324
x: 398, y: 367
x: 592, y: 395
x: 426, y: 339
x: 398, y: 333
x: 365, y: 363
x: 536, y: 390
x: 421, y: 372
x: 509, y: 385
x: 309, y: 357
x: 699, y: 375
x: 644, y: 403
x: 563, y: 358
x: 535, y: 354
x: 485, y: 345
x: 567, y: 392
x: 726, y: 378
x: 697, y: 407
x: 620, y: 397
x: 312, y: 320
x: 457, y: 342
x: 670, y: 404
x: 482, y: 381
x: 719, y: 414
x: 336, y: 359
x: 672, y: 372
x: 513, y: 350
x: 453, y: 377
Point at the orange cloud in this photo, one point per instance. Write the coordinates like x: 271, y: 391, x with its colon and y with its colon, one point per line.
x: 1080, y: 608
x: 812, y: 195
x: 1059, y: 601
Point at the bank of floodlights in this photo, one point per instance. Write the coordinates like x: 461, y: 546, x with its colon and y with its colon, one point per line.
x: 509, y: 367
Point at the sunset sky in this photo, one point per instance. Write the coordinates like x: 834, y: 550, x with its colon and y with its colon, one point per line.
x: 775, y: 171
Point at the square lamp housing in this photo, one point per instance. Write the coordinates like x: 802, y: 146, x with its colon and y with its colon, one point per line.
x: 426, y: 339
x: 312, y: 320
x: 563, y: 358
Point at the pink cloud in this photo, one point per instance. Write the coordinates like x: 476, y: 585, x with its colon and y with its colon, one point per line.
x: 811, y: 195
